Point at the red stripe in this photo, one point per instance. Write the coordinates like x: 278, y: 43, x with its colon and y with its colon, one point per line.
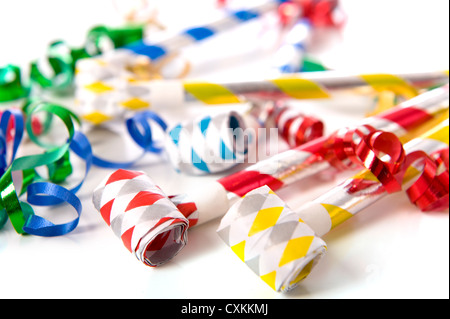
x: 105, y: 211
x: 126, y: 238
x: 242, y: 182
x: 122, y: 174
x: 193, y: 222
x: 407, y: 118
x: 315, y: 146
x: 144, y: 198
x: 187, y: 208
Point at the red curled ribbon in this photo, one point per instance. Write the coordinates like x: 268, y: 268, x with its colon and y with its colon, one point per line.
x: 318, y: 12
x: 430, y: 192
x: 367, y: 146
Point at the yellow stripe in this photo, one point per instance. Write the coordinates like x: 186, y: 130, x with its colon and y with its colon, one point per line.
x: 96, y: 117
x: 385, y: 101
x: 337, y: 215
x: 300, y: 88
x: 382, y: 82
x: 135, y: 104
x: 367, y: 175
x: 438, y: 117
x: 439, y: 133
x: 296, y: 248
x: 265, y: 219
x: 211, y: 93
x: 98, y: 87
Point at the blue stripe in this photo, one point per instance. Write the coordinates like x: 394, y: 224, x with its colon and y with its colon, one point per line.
x: 286, y: 68
x: 175, y: 134
x: 245, y: 15
x: 225, y: 152
x: 299, y: 46
x: 152, y: 51
x: 204, y: 123
x: 199, y: 163
x: 200, y: 33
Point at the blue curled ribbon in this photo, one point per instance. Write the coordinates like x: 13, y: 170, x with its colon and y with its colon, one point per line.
x: 18, y: 135
x: 43, y: 193
x: 80, y: 146
x: 140, y: 131
x: 39, y: 192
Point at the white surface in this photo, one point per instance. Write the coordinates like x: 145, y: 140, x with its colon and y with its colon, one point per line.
x: 391, y: 250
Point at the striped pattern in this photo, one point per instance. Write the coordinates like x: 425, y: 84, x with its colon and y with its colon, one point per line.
x: 289, y: 56
x: 318, y: 85
x: 105, y: 85
x: 107, y: 89
x: 281, y: 245
x: 210, y: 144
x: 363, y: 189
x: 303, y: 161
x: 193, y: 35
x: 141, y: 215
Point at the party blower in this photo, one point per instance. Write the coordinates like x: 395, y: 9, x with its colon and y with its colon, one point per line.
x: 136, y: 215
x: 55, y: 71
x: 114, y: 46
x: 282, y: 245
x: 215, y: 143
x: 116, y: 91
x: 103, y: 39
x: 134, y: 38
x: 153, y: 226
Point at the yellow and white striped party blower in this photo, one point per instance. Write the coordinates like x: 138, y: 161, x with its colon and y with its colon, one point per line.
x: 107, y: 88
x: 282, y: 245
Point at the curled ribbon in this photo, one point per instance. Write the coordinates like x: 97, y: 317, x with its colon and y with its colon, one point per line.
x: 319, y: 12
x: 295, y: 127
x: 11, y: 86
x: 41, y: 192
x: 20, y: 213
x: 430, y: 192
x: 61, y: 59
x: 140, y: 131
x: 382, y: 153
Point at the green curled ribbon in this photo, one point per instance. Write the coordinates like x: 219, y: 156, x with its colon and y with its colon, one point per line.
x: 62, y: 61
x: 55, y: 158
x: 101, y: 36
x: 11, y: 86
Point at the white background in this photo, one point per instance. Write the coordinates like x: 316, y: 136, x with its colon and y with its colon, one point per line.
x: 390, y: 250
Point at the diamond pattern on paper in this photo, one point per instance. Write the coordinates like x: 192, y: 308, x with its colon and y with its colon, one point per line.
x: 271, y: 239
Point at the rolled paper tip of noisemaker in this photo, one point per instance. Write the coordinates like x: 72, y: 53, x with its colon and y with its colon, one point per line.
x: 142, y: 216
x: 271, y: 239
x: 210, y: 144
x: 119, y: 63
